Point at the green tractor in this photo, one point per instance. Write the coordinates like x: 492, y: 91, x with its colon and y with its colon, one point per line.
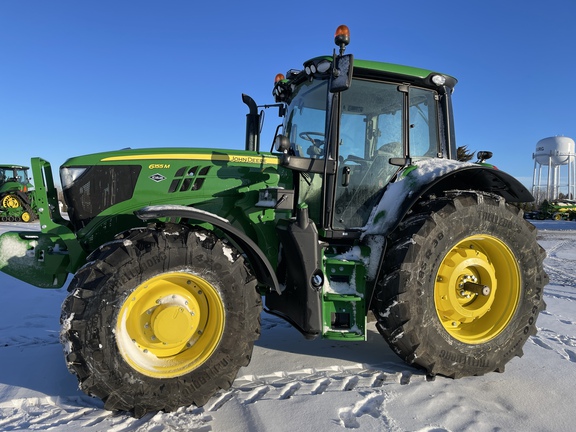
x: 17, y: 197
x: 560, y: 209
x: 358, y: 206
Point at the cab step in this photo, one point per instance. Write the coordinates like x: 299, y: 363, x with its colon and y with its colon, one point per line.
x: 343, y: 300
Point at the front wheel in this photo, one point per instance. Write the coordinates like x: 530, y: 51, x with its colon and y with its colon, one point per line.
x: 159, y: 319
x: 11, y: 202
x: 463, y: 285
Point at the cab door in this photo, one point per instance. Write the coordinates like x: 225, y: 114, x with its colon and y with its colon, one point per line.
x: 379, y: 122
x: 370, y: 134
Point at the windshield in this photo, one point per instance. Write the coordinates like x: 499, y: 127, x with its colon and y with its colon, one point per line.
x: 306, y: 119
x: 19, y: 175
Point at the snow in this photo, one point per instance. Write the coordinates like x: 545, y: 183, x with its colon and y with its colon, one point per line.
x: 427, y: 170
x: 294, y: 384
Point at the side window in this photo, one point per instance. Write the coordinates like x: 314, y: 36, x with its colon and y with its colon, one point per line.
x: 307, y: 132
x: 423, y: 123
x: 306, y: 119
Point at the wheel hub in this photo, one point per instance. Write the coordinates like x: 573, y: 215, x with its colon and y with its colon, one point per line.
x: 173, y: 324
x: 477, y: 289
x: 170, y: 324
x: 456, y: 304
x: 10, y: 201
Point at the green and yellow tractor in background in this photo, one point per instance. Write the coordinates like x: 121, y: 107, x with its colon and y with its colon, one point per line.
x: 358, y: 205
x: 17, y: 196
x: 560, y: 209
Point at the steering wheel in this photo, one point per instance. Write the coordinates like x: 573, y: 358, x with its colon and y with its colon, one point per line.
x: 317, y: 143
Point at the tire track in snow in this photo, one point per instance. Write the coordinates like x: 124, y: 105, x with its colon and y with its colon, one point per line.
x: 23, y: 341
x: 369, y: 383
x: 251, y: 389
x: 86, y: 414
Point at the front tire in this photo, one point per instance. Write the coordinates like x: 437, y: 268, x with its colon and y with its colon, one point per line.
x: 463, y: 285
x: 160, y: 319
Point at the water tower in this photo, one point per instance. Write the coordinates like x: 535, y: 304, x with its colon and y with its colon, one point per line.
x: 554, y: 153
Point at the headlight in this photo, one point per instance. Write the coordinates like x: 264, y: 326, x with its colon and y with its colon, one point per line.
x: 439, y: 80
x: 69, y: 175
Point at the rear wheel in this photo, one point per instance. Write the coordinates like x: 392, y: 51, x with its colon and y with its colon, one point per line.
x: 463, y: 287
x: 160, y: 319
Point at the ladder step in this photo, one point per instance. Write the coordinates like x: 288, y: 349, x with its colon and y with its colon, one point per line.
x: 342, y: 297
x: 343, y: 302
x: 344, y: 336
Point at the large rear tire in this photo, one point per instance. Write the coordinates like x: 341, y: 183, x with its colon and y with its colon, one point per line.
x: 463, y: 285
x: 159, y: 319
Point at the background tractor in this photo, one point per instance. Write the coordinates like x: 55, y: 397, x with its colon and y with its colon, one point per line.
x: 560, y: 209
x: 17, y: 201
x: 359, y: 205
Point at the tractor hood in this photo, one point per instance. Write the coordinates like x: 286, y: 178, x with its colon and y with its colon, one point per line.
x: 119, y: 183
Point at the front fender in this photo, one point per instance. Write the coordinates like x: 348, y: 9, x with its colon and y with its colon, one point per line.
x: 264, y: 271
x: 434, y: 176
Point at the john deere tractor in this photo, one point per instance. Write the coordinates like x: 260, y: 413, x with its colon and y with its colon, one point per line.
x: 359, y: 205
x: 560, y: 209
x: 16, y: 194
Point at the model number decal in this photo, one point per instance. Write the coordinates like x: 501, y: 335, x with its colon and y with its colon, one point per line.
x: 158, y: 166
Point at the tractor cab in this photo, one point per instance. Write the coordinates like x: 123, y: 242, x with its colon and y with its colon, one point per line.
x: 14, y: 177
x: 350, y: 127
x: 345, y: 143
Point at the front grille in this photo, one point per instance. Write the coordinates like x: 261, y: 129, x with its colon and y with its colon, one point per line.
x: 98, y: 188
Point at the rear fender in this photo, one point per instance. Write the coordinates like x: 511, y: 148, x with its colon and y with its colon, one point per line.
x: 432, y: 177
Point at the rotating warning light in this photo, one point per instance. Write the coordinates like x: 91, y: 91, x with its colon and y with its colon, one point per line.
x: 342, y: 36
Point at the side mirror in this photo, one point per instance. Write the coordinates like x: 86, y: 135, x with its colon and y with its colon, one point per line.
x: 483, y: 156
x: 281, y: 143
x: 341, y: 73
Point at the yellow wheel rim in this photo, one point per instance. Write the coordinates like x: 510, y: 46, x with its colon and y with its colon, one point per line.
x: 170, y: 325
x: 10, y: 201
x: 25, y: 217
x: 466, y: 313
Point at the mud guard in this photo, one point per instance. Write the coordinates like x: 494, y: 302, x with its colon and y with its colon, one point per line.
x: 264, y: 271
x: 433, y: 177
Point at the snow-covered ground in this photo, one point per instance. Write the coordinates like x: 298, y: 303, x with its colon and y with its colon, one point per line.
x: 298, y: 385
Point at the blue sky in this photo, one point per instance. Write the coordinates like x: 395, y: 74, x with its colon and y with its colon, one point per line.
x: 79, y: 77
